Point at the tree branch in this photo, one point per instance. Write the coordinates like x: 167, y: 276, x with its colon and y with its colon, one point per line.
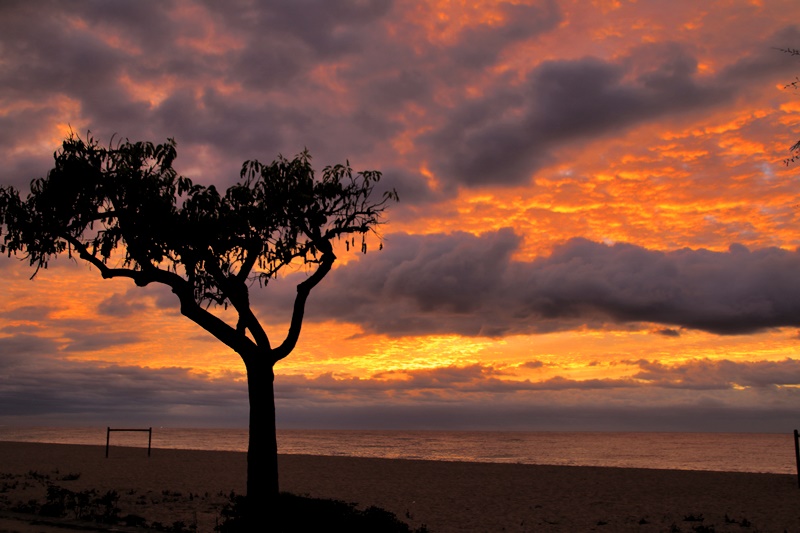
x: 239, y: 343
x: 249, y: 262
x: 141, y: 278
x: 182, y: 289
x: 322, y: 243
x: 303, y: 290
x: 236, y: 291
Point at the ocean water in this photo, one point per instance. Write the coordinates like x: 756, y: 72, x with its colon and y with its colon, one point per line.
x: 733, y: 452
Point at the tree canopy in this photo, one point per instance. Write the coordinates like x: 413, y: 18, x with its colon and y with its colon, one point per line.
x: 129, y: 203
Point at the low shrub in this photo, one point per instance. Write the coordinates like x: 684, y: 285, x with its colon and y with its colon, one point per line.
x: 303, y: 513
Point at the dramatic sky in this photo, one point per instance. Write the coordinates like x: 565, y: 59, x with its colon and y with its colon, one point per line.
x: 596, y: 229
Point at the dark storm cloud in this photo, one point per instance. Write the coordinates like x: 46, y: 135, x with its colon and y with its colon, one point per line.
x: 768, y: 61
x: 47, y: 388
x: 481, y: 45
x: 533, y: 364
x: 393, y: 88
x: 286, y: 38
x: 122, y: 305
x: 138, y: 299
x: 511, y: 132
x: 538, y: 416
x: 505, y: 137
x: 143, y: 24
x: 470, y: 285
x: 410, y: 186
x: 98, y: 336
x: 707, y: 374
x: 16, y: 125
x: 43, y: 386
x: 46, y: 56
x: 484, y: 379
x: 32, y: 313
x: 83, y: 54
x: 656, y: 398
x: 66, y: 334
x: 18, y: 346
x: 441, y: 382
x: 225, y: 125
x: 384, y: 67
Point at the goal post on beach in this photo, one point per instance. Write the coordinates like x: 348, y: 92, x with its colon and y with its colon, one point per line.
x: 149, y: 437
x: 797, y: 454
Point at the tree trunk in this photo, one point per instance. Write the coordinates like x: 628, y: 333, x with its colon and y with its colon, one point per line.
x: 262, y: 449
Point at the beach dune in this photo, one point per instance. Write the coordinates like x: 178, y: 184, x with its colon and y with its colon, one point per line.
x: 191, y: 487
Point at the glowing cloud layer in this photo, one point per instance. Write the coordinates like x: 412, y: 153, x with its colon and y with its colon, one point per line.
x: 596, y: 228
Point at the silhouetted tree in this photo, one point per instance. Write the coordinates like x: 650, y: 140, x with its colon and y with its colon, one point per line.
x: 795, y: 148
x: 126, y: 211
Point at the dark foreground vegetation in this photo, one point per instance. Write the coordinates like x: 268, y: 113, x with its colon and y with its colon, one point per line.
x: 303, y: 513
x: 97, y: 509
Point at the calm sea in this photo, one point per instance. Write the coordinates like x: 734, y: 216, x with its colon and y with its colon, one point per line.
x: 734, y: 452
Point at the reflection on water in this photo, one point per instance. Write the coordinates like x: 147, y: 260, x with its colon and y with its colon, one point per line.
x: 736, y: 452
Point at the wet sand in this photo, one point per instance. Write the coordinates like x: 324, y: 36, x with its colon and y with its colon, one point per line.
x: 192, y: 486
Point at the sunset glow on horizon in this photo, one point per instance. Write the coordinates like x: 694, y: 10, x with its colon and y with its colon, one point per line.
x: 596, y: 227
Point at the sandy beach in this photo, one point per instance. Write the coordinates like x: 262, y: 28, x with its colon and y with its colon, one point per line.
x: 191, y: 486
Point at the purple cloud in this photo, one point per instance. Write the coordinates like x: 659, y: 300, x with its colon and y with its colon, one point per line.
x: 470, y: 285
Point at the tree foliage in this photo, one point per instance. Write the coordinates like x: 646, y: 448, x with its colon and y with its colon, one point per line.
x: 794, y: 150
x: 125, y: 210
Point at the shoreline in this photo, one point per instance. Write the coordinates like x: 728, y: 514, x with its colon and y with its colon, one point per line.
x: 718, y: 452
x: 192, y: 485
